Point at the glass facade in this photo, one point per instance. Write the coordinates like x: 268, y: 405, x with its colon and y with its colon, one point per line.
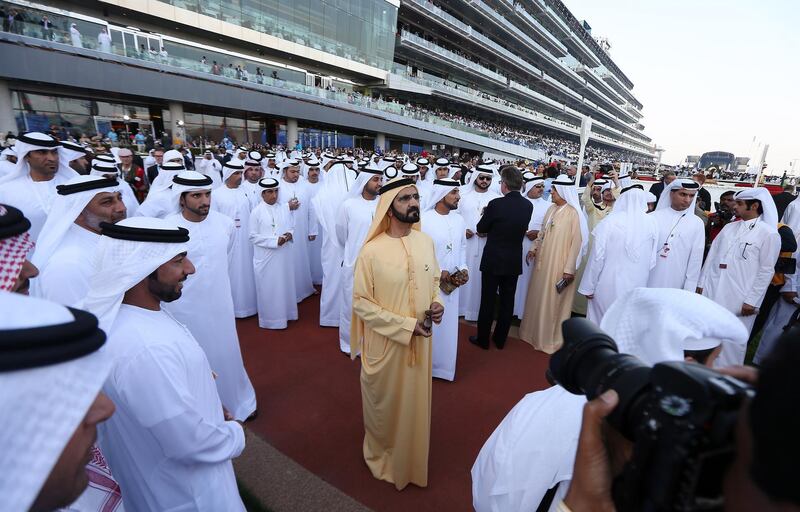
x: 358, y: 30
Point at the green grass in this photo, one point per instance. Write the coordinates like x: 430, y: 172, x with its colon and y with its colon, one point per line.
x: 251, y: 503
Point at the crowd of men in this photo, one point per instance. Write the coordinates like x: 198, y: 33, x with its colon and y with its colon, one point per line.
x: 401, y: 245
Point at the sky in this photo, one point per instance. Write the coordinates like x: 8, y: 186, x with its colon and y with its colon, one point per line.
x: 711, y: 74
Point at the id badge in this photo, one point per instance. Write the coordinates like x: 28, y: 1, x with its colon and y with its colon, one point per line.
x: 664, y: 252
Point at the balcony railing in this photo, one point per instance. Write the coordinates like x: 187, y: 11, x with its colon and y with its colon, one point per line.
x: 428, y: 45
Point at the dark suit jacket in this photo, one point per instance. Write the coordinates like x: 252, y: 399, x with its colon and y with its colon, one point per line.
x: 705, y: 196
x: 505, y: 221
x: 152, y: 172
x: 656, y: 189
x: 782, y: 200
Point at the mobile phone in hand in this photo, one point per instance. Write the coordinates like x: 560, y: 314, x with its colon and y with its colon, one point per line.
x: 561, y: 285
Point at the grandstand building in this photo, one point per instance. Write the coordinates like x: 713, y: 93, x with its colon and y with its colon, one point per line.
x: 510, y: 78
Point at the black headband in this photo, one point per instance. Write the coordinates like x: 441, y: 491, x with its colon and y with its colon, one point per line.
x: 13, y: 222
x: 403, y: 182
x: 446, y: 183
x: 193, y: 182
x: 74, y: 147
x: 52, y: 143
x: 33, y: 347
x: 376, y: 172
x: 631, y: 187
x: 85, y: 186
x: 690, y: 186
x: 135, y: 234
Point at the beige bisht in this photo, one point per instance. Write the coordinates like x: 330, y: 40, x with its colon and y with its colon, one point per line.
x: 395, y: 282
x: 560, y: 245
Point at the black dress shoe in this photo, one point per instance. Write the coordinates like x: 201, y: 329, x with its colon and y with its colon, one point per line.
x: 474, y: 341
x: 499, y: 345
x: 253, y: 416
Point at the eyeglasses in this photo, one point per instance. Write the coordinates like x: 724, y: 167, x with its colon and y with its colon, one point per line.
x: 484, y: 178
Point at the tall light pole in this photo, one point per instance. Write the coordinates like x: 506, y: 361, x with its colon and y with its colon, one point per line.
x: 125, y: 119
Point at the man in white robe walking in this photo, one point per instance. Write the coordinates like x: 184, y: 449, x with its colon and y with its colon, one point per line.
x: 534, y: 192
x: 231, y: 201
x: 31, y: 186
x: 741, y: 261
x: 474, y: 199
x: 352, y: 224
x: 446, y: 228
x: 67, y: 242
x: 681, y: 238
x: 272, y: 233
x: 252, y: 175
x: 294, y: 194
x: 170, y: 445
x: 207, y: 304
x: 624, y: 248
x: 314, y: 231
x: 335, y: 186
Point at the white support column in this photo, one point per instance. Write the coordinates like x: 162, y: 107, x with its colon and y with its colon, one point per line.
x: 7, y: 122
x: 380, y: 141
x: 291, y: 133
x: 176, y: 128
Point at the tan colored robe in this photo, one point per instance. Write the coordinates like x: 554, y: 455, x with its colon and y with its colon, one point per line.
x: 558, y: 245
x: 593, y: 217
x: 396, y: 280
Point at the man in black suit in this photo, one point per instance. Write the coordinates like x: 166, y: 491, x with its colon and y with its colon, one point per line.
x: 504, y: 222
x: 703, y: 195
x: 783, y: 199
x: 657, y: 188
x: 152, y: 171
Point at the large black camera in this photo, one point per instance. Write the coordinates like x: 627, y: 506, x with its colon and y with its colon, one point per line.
x: 680, y: 417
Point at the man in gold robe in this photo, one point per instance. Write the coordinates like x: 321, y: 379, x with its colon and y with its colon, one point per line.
x: 395, y: 299
x: 557, y: 250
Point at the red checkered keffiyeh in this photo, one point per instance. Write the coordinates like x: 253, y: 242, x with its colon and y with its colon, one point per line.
x: 13, y: 252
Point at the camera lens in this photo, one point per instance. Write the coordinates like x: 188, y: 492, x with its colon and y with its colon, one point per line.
x: 589, y: 363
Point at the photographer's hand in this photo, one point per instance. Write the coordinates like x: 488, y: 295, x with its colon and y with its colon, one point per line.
x: 590, y: 489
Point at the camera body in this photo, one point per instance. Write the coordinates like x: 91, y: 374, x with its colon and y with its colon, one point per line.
x: 680, y: 417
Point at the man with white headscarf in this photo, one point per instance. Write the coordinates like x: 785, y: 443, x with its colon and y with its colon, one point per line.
x: 253, y: 172
x: 598, y: 201
x: 52, y: 401
x: 170, y: 443
x: 31, y: 186
x: 294, y: 194
x: 108, y: 170
x: 231, y: 200
x: 474, y: 198
x: 741, y: 261
x: 681, y: 238
x: 76, y: 156
x: 212, y: 322
x: 314, y: 183
x: 533, y: 448
x: 211, y: 167
x: 558, y: 249
x: 160, y: 202
x: 425, y: 181
x: 446, y: 228
x: 352, y: 223
x: 272, y: 232
x: 338, y: 181
x: 624, y: 250
x: 67, y: 242
x: 8, y: 161
x: 533, y: 191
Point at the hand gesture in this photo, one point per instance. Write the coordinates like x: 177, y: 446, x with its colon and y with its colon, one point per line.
x: 294, y: 204
x: 419, y: 330
x: 568, y: 278
x: 445, y: 277
x: 437, y: 311
x: 532, y: 234
x: 288, y: 236
x: 748, y: 310
x: 470, y: 234
x: 281, y: 240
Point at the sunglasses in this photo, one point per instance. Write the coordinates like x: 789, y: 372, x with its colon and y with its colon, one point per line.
x: 484, y: 178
